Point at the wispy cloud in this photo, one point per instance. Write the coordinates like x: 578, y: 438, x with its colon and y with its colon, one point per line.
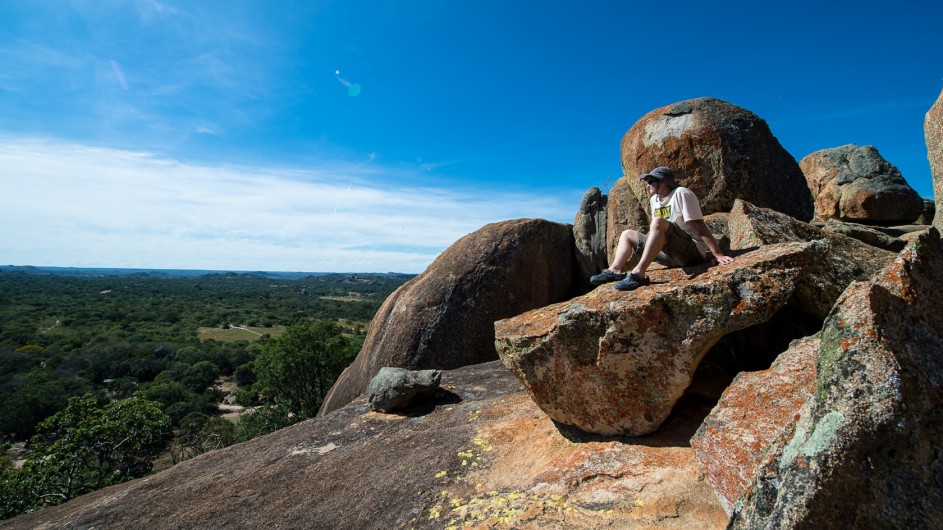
x: 72, y: 204
x: 141, y: 68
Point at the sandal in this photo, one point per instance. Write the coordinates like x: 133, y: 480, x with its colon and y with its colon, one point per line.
x: 606, y: 276
x: 633, y: 282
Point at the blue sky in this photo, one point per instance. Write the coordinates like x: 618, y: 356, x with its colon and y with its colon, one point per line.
x: 370, y: 135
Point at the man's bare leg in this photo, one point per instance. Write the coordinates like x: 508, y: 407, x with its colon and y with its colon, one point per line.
x: 625, y: 250
x: 657, y: 233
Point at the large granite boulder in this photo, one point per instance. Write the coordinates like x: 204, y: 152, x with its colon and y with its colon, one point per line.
x: 731, y: 443
x: 721, y: 152
x: 933, y: 133
x: 444, y: 318
x: 865, y: 451
x: 612, y: 362
x: 840, y: 260
x: 854, y: 183
x: 589, y: 233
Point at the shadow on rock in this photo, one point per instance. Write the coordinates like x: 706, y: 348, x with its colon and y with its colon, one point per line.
x: 421, y: 408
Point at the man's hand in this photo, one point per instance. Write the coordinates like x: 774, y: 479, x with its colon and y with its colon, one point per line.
x: 723, y: 260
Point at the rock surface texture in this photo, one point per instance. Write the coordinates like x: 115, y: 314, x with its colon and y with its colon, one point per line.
x: 933, y: 133
x: 720, y: 151
x: 865, y: 234
x: 865, y: 452
x: 490, y: 460
x: 751, y: 414
x: 589, y: 233
x: 444, y: 318
x: 839, y: 260
x: 612, y: 362
x: 854, y: 183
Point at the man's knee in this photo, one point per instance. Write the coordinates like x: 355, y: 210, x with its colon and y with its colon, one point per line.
x: 658, y: 223
x: 629, y: 236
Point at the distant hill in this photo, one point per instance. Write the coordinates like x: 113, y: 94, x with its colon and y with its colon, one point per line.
x: 174, y: 273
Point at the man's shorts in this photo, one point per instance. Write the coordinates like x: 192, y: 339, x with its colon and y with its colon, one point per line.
x: 679, y: 249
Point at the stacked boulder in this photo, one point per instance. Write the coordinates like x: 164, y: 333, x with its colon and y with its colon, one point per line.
x: 854, y: 183
x: 613, y: 364
x: 720, y: 151
x: 842, y: 428
x: 864, y: 449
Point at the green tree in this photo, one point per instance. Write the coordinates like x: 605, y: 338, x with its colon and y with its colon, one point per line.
x: 88, y: 445
x: 199, y: 433
x: 298, y: 368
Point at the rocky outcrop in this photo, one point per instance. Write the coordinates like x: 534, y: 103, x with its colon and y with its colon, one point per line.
x: 854, y: 183
x: 865, y: 234
x: 397, y: 388
x: 490, y: 459
x: 444, y: 318
x: 589, y: 233
x: 840, y: 260
x: 933, y: 133
x: 721, y: 152
x: 865, y: 450
x: 611, y: 362
x: 731, y: 443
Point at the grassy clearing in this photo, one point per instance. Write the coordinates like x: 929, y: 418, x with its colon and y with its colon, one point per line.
x: 234, y: 334
x: 349, y: 297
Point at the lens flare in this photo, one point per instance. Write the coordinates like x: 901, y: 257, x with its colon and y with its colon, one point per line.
x: 353, y: 89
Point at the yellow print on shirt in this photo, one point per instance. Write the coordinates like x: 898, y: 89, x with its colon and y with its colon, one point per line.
x: 664, y: 212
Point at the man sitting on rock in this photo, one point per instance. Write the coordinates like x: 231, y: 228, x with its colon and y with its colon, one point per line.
x: 677, y: 237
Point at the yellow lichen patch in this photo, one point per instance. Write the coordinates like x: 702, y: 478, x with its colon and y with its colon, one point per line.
x: 483, y: 444
x: 496, y: 509
x: 440, y: 474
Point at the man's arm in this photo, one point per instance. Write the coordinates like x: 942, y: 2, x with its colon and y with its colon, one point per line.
x: 700, y: 227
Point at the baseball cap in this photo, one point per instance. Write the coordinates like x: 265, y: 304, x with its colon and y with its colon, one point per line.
x: 661, y: 174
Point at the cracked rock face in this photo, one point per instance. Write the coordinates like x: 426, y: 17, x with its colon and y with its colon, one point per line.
x: 611, y: 362
x: 840, y: 261
x: 854, y: 183
x: 731, y: 443
x: 865, y: 451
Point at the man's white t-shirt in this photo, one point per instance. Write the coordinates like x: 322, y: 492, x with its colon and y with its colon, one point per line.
x: 679, y: 207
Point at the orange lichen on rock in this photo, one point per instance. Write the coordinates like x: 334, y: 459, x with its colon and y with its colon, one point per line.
x: 752, y: 412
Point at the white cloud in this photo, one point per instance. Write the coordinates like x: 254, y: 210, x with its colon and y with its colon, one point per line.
x: 75, y: 205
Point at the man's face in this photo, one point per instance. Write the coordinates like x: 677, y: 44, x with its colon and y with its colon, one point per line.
x: 652, y: 185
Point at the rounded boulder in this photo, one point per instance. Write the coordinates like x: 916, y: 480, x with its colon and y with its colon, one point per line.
x: 719, y: 151
x: 855, y: 183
